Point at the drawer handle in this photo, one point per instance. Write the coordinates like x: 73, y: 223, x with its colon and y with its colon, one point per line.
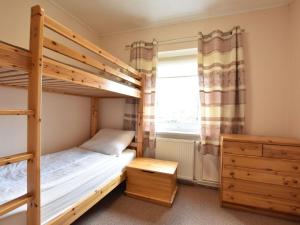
x: 231, y: 174
x: 146, y: 171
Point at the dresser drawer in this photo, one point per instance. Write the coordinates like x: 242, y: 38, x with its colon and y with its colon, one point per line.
x: 242, y: 148
x: 263, y: 202
x: 249, y: 174
x: 281, y: 151
x: 263, y: 163
x: 268, y: 190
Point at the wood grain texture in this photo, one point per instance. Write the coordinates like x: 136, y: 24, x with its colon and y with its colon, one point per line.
x: 66, y: 51
x: 94, y: 116
x: 15, y: 158
x: 13, y: 204
x: 263, y: 202
x: 61, y: 71
x: 154, y: 165
x: 152, y: 180
x: 261, y: 139
x: 34, y: 122
x: 263, y: 164
x: 242, y: 148
x: 260, y: 173
x: 268, y: 190
x: 66, y: 32
x: 281, y: 152
x: 16, y: 112
x: 140, y: 122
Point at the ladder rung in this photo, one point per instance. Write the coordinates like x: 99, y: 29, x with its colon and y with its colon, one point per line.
x: 13, y: 204
x: 16, y: 112
x: 15, y: 158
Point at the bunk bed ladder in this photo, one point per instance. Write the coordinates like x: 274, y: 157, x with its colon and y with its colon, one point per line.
x: 33, y: 113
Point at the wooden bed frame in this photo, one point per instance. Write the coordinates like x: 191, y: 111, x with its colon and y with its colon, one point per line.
x: 33, y: 70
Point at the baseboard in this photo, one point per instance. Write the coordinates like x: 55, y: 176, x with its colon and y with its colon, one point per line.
x: 209, y: 184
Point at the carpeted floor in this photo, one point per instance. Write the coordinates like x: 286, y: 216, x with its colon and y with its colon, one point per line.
x: 194, y: 205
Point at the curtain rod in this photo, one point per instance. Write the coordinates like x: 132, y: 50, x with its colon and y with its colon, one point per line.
x: 189, y: 38
x: 174, y: 40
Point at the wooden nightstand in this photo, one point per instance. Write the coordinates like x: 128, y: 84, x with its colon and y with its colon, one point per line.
x: 153, y: 180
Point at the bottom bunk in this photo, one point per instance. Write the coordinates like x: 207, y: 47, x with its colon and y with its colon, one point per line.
x: 71, y: 182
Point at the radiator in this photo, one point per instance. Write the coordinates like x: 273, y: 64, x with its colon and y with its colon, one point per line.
x: 178, y: 150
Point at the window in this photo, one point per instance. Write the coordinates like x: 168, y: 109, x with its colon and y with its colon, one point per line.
x: 177, y: 92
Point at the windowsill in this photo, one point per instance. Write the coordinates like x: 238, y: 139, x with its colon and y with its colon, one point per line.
x: 178, y: 135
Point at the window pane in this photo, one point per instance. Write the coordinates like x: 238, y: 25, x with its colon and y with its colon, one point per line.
x: 177, y: 91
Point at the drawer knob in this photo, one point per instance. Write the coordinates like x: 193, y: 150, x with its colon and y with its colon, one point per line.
x: 233, y: 160
x: 231, y: 173
x: 295, y: 167
x: 230, y: 186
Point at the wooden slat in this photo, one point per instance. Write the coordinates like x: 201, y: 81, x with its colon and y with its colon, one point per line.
x: 66, y: 32
x: 16, y: 112
x: 13, y: 204
x: 34, y: 122
x: 15, y: 158
x: 14, y: 58
x: 61, y: 71
x: 60, y: 48
x: 94, y: 116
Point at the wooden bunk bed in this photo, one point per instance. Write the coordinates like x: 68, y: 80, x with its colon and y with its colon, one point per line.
x: 33, y: 70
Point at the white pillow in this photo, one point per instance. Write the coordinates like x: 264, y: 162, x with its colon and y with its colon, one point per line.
x: 109, y: 141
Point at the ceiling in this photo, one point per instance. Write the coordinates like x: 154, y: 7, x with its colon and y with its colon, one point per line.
x: 115, y: 16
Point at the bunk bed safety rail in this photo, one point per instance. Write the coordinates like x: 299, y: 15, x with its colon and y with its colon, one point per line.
x: 120, y: 72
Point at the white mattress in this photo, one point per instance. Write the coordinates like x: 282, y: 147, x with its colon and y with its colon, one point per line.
x: 66, y: 177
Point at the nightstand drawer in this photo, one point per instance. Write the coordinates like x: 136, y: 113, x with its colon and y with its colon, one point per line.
x: 241, y: 148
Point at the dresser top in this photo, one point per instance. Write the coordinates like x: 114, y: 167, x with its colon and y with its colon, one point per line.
x: 261, y: 139
x: 154, y: 165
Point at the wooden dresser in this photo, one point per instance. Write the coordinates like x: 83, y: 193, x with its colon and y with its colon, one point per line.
x: 152, y: 180
x: 261, y: 174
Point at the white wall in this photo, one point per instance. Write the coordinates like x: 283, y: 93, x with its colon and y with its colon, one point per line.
x: 111, y: 113
x: 65, y: 118
x: 294, y: 69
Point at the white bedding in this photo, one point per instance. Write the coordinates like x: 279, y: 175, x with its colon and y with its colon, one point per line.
x: 62, y: 174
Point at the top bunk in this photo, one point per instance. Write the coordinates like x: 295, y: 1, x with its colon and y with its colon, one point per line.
x: 70, y: 64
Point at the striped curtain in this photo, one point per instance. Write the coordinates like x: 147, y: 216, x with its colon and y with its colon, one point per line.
x: 222, y: 86
x: 143, y: 57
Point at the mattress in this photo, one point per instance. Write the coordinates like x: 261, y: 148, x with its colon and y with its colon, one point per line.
x: 66, y: 177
